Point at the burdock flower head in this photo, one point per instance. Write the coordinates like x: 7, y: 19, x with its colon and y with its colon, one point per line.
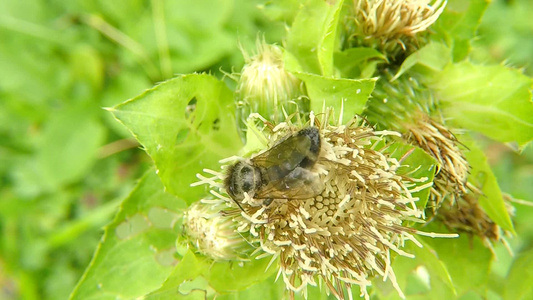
x: 331, y: 211
x: 392, y: 25
x: 264, y: 85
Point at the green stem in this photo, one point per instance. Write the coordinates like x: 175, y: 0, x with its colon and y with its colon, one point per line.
x: 158, y: 16
x: 124, y: 40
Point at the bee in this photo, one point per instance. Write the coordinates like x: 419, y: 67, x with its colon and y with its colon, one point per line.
x: 282, y: 172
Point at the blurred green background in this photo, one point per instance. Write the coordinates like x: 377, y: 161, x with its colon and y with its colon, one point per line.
x: 65, y: 163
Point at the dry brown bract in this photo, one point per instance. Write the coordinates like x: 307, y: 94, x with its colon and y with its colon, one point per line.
x: 440, y: 143
x: 453, y: 200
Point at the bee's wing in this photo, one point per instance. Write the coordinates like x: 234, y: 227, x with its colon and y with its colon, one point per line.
x: 290, y: 153
x: 289, y: 150
x: 300, y: 183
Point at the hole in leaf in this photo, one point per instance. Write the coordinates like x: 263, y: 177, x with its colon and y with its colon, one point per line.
x: 132, y: 226
x: 162, y: 217
x: 216, y: 124
x: 199, y: 284
x: 190, y: 108
x: 166, y: 257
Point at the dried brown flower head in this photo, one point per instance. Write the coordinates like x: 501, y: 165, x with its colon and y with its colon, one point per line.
x: 453, y: 200
x: 439, y: 142
x: 466, y: 215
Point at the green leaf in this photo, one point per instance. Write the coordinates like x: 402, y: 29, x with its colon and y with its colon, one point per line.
x: 197, y: 36
x: 70, y: 142
x: 282, y: 10
x: 186, y: 271
x: 481, y: 176
x: 518, y: 283
x: 185, y: 124
x: 126, y: 86
x: 227, y: 277
x: 137, y: 250
x: 312, y: 38
x: 416, y: 163
x: 458, y: 24
x: 213, y: 277
x: 87, y: 65
x: 424, y: 277
x: 511, y: 39
x: 352, y: 62
x: 67, y: 149
x: 433, y: 57
x: 493, y: 100
x: 466, y: 258
x: 344, y: 95
x: 268, y: 289
x: 430, y: 258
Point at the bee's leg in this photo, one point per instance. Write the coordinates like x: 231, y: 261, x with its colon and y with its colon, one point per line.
x: 238, y: 204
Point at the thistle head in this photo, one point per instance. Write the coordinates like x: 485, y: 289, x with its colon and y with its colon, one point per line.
x: 347, y: 232
x: 392, y: 25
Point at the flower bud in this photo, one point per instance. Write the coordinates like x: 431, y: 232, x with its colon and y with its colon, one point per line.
x: 266, y: 87
x: 391, y: 25
x: 212, y: 232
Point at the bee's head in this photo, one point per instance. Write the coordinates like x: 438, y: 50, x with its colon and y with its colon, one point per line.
x: 242, y: 177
